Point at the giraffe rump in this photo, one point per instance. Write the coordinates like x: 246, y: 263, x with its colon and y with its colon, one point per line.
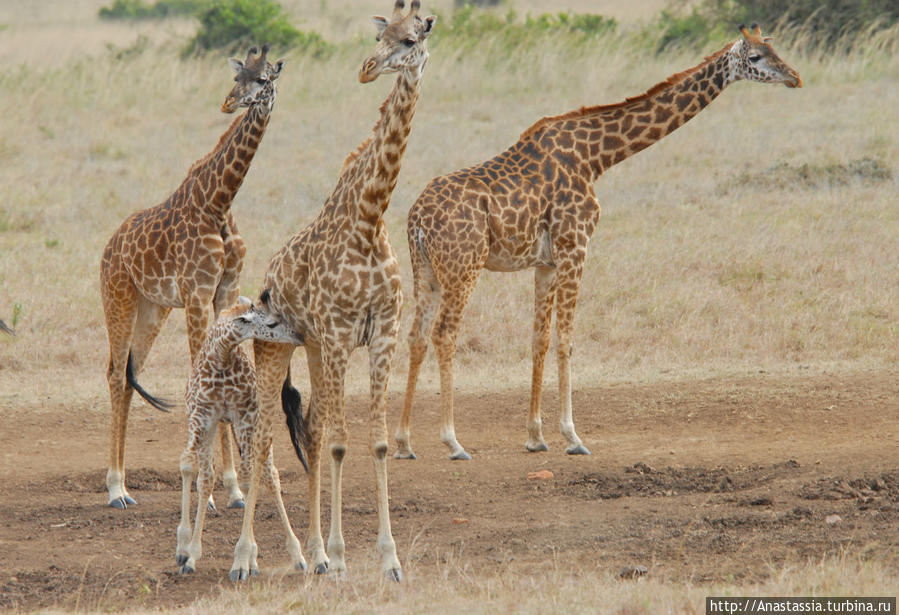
x: 159, y: 404
x: 292, y: 404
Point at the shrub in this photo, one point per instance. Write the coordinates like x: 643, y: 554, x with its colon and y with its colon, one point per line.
x: 469, y: 27
x: 824, y: 21
x: 138, y: 9
x: 235, y: 24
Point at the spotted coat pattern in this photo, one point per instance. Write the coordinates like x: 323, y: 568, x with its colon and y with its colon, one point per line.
x: 222, y: 388
x: 337, y: 282
x: 534, y: 206
x: 183, y: 253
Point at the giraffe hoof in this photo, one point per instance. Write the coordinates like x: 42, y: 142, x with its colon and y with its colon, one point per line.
x: 237, y: 504
x: 460, y: 456
x: 239, y: 574
x: 185, y: 569
x: 580, y: 449
x: 394, y: 574
x: 181, y: 559
x: 300, y: 566
x: 540, y: 447
x: 409, y: 455
x: 210, y: 506
x: 129, y: 500
x: 118, y: 503
x: 321, y: 568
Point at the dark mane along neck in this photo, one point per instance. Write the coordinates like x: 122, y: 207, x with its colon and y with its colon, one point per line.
x: 376, y: 163
x: 216, y: 178
x: 674, y: 82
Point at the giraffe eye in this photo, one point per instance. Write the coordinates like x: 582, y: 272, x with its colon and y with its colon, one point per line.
x: 260, y: 81
x: 408, y: 42
x: 755, y: 58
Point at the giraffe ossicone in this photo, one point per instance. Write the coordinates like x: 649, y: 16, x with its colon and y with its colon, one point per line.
x: 533, y: 206
x: 186, y: 253
x: 337, y: 282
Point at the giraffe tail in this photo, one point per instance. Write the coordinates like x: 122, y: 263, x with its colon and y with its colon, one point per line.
x: 292, y: 404
x: 6, y: 329
x: 159, y: 404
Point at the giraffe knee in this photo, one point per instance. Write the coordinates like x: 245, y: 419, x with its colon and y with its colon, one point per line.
x: 338, y: 451
x: 380, y: 450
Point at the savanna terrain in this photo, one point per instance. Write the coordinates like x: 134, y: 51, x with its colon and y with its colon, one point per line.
x: 735, y: 358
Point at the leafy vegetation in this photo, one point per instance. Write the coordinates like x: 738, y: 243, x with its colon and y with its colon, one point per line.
x: 138, y: 9
x: 234, y: 24
x: 825, y: 22
x: 468, y: 27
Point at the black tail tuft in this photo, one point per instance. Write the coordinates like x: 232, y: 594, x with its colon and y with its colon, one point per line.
x: 159, y: 404
x: 6, y: 329
x: 292, y: 404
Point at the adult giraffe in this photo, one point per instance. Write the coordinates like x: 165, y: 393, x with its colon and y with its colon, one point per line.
x: 534, y: 206
x: 185, y: 252
x: 337, y: 283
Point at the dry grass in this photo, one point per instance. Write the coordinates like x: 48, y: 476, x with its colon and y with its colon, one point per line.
x: 454, y: 587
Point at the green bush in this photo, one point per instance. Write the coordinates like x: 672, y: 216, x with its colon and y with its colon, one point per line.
x: 468, y: 27
x: 138, y: 9
x: 234, y: 24
x: 825, y: 22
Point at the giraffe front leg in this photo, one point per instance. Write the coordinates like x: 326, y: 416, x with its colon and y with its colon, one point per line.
x: 380, y: 359
x: 188, y: 476
x: 544, y: 295
x: 272, y: 362
x: 335, y: 362
x: 205, y: 480
x: 273, y: 480
x: 566, y: 299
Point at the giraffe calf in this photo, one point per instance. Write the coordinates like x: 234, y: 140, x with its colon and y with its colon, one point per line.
x: 222, y: 387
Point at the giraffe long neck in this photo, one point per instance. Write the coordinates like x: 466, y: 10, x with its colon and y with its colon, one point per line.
x: 219, y: 175
x: 595, y: 138
x: 375, y: 166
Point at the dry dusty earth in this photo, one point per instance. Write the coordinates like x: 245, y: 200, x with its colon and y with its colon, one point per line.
x: 700, y: 481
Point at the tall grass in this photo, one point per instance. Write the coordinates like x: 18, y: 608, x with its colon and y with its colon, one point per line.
x: 700, y: 262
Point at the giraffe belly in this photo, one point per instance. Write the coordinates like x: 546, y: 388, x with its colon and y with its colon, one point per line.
x: 508, y: 255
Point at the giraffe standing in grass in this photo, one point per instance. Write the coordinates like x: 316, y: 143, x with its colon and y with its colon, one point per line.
x: 185, y: 252
x: 533, y: 206
x: 337, y: 283
x: 222, y: 387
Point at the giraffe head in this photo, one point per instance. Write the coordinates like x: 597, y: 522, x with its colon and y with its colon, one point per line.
x: 754, y: 59
x: 254, y: 81
x: 246, y: 321
x: 402, y: 42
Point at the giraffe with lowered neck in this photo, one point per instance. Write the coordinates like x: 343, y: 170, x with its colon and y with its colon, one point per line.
x: 534, y: 206
x: 337, y: 283
x: 183, y: 253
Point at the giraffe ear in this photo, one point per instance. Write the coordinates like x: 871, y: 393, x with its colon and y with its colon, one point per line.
x: 276, y: 69
x: 429, y: 26
x: 381, y: 24
x: 236, y: 64
x: 241, y: 300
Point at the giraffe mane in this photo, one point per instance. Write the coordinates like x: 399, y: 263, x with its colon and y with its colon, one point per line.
x: 659, y: 87
x: 352, y: 156
x: 225, y: 136
x: 236, y: 310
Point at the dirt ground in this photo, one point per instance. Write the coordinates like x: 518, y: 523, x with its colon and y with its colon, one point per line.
x: 701, y: 481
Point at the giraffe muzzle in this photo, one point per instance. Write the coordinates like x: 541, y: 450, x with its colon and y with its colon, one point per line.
x: 369, y: 71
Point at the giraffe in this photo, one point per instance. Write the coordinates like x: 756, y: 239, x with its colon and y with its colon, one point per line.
x: 222, y: 387
x: 185, y: 252
x: 337, y: 283
x: 534, y: 206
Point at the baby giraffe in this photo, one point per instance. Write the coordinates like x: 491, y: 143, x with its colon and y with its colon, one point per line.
x: 222, y: 387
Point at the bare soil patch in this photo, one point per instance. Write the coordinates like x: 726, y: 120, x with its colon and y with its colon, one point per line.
x: 710, y: 480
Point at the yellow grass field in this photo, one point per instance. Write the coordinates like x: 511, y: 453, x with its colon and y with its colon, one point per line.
x: 760, y: 238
